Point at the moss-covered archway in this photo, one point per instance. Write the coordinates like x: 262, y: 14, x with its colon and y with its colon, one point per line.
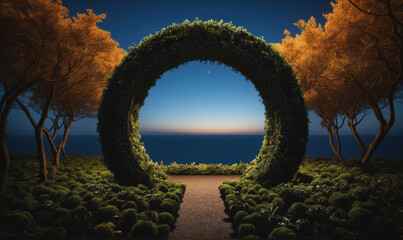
x: 286, y: 127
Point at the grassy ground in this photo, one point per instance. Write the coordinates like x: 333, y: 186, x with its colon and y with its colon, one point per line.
x: 83, y: 201
x: 325, y: 200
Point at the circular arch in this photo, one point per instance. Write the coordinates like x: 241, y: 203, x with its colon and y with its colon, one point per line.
x: 286, y: 125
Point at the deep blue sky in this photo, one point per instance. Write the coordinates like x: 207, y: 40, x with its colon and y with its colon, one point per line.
x: 201, y: 97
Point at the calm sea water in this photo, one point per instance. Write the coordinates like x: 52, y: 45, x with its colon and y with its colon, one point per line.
x: 226, y: 149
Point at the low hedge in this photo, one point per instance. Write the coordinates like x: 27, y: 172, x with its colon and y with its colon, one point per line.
x: 325, y: 200
x: 83, y: 201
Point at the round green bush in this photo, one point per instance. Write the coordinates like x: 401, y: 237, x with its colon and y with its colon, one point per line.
x: 239, y: 216
x: 103, y: 230
x: 282, y: 233
x: 317, y: 213
x: 360, y: 216
x: 169, y: 205
x: 19, y: 220
x: 259, y: 221
x: 106, y: 213
x: 359, y: 193
x: 246, y: 229
x: 129, y: 204
x: 251, y: 237
x: 324, y: 201
x: 129, y: 216
x: 163, y: 231
x: 72, y: 201
x: 172, y: 196
x: 341, y: 200
x: 155, y: 202
x: 286, y: 129
x: 298, y: 210
x: 278, y: 202
x: 166, y: 218
x: 94, y: 204
x: 144, y: 230
x: 142, y: 205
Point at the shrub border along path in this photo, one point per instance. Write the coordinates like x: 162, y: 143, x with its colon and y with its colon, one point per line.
x: 286, y: 126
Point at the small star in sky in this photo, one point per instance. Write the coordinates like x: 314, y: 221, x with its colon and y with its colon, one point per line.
x: 208, y: 72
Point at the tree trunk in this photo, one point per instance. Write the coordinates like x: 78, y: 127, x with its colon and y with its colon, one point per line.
x: 383, y: 129
x: 43, y: 172
x: 55, y: 152
x: 4, y: 156
x: 357, y: 137
x: 64, y: 152
x: 336, y: 149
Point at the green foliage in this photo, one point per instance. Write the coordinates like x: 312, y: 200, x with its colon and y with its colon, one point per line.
x: 328, y: 209
x: 340, y: 199
x: 163, y: 231
x: 145, y: 230
x: 94, y: 207
x: 282, y: 233
x: 106, y: 213
x: 286, y: 123
x: 103, y: 230
x: 166, y: 218
x: 204, y: 169
x: 298, y: 210
x: 246, y: 229
x: 170, y: 206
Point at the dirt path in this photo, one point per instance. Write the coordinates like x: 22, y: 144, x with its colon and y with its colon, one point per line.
x: 201, y: 214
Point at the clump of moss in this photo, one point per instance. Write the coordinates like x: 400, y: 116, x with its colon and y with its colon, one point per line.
x: 340, y: 199
x: 145, y: 230
x: 239, y: 216
x: 246, y: 229
x: 166, y: 218
x: 282, y: 233
x: 106, y: 213
x: 298, y: 210
x: 170, y: 206
x: 360, y: 216
x: 163, y: 231
x: 129, y: 204
x: 102, y: 230
x: 19, y: 220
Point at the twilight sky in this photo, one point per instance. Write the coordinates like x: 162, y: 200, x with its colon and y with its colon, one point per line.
x: 201, y: 97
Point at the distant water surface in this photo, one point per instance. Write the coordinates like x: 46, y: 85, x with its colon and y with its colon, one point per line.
x: 226, y: 149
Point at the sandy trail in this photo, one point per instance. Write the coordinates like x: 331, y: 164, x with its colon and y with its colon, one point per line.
x: 201, y: 214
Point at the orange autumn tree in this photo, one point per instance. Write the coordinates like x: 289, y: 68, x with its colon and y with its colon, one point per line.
x: 360, y: 67
x: 28, y: 31
x: 55, y: 56
x: 307, y: 53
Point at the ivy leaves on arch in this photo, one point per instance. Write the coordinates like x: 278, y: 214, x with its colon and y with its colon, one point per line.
x: 286, y: 125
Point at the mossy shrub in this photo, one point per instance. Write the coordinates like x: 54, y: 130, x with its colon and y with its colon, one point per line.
x: 239, y: 216
x: 251, y: 237
x: 129, y: 216
x: 172, y: 196
x: 142, y: 205
x: 166, y: 218
x: 19, y: 220
x: 360, y: 217
x: 129, y: 204
x: 224, y: 187
x: 55, y: 233
x: 145, y: 230
x: 107, y: 213
x: 170, y: 206
x: 359, y: 193
x: 259, y: 221
x: 103, y: 230
x: 246, y: 229
x: 298, y: 210
x: 282, y: 233
x: 155, y: 202
x: 72, y: 201
x: 163, y: 231
x: 341, y: 200
x: 317, y: 213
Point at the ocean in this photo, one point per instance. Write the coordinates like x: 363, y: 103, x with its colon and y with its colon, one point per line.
x: 225, y: 149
